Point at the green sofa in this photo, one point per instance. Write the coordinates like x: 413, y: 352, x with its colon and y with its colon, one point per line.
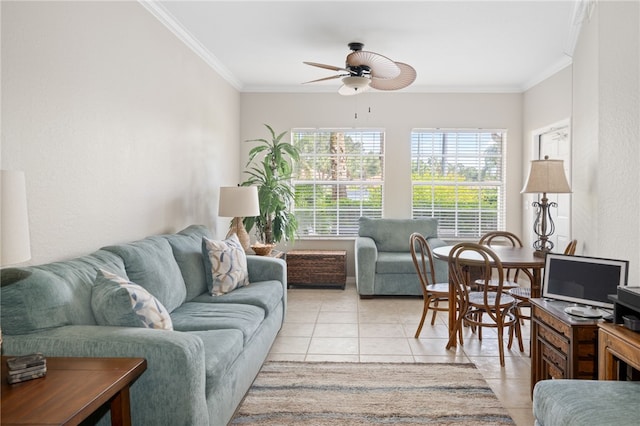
x: 198, y: 372
x: 383, y: 256
x: 572, y: 402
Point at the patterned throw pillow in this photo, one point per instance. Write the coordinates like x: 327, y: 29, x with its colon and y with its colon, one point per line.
x: 119, y: 302
x: 225, y: 265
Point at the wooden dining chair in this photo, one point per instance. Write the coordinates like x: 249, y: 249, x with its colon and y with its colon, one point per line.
x: 433, y: 291
x: 509, y: 239
x: 490, y: 307
x: 571, y: 248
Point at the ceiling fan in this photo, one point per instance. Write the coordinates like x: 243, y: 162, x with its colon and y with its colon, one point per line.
x: 364, y: 70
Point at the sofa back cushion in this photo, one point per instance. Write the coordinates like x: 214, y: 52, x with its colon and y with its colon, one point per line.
x: 150, y: 264
x: 393, y: 234
x: 56, y: 294
x: 187, y: 250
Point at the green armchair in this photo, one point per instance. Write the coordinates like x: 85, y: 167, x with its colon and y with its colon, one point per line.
x: 383, y: 257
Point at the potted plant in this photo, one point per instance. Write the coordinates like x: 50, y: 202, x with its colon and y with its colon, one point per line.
x: 271, y: 173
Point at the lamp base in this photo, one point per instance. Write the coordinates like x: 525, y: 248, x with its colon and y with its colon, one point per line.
x: 541, y: 253
x: 237, y: 227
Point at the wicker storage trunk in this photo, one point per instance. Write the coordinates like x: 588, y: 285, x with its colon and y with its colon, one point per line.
x: 317, y: 267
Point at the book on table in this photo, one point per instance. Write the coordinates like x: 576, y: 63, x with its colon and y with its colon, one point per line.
x: 26, y: 367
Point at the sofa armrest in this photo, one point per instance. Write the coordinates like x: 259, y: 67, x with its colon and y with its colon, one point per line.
x: 175, y: 363
x: 366, y: 255
x: 263, y: 268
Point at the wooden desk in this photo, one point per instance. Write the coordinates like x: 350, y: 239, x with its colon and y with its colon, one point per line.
x: 617, y: 346
x: 562, y: 346
x: 72, y: 390
x: 511, y: 257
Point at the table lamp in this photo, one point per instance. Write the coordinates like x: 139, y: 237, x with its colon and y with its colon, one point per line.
x: 239, y: 202
x: 545, y: 177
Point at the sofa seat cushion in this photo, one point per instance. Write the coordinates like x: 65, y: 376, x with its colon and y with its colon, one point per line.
x: 221, y: 348
x: 586, y: 402
x: 391, y: 262
x: 265, y: 294
x: 195, y: 316
x: 150, y: 264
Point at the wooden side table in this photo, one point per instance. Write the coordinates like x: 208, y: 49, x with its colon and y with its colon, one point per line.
x: 617, y: 347
x: 72, y: 390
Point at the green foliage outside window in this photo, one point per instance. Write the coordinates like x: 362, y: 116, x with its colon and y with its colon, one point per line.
x: 457, y: 177
x: 338, y: 178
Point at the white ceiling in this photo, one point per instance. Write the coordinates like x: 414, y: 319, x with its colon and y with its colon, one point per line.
x: 454, y: 45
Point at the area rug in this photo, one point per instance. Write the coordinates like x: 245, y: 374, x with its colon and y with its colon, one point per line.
x: 307, y: 393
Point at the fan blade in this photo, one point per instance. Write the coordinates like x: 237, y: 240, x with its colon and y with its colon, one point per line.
x: 327, y: 67
x: 407, y: 76
x: 381, y: 66
x: 326, y: 78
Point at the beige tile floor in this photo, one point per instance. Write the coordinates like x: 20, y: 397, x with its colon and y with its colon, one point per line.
x: 336, y: 325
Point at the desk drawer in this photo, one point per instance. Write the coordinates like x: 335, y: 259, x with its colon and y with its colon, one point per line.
x: 552, y: 338
x: 552, y: 322
x: 556, y: 361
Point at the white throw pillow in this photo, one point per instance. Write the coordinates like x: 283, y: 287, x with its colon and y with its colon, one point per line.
x: 225, y: 265
x: 118, y: 301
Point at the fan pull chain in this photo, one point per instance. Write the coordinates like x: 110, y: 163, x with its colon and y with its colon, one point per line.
x: 355, y: 115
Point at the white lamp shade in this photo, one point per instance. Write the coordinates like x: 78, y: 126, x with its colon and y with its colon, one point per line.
x: 546, y: 176
x: 353, y: 85
x: 15, y: 246
x: 238, y: 201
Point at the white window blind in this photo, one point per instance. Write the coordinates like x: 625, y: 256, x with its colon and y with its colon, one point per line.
x: 458, y: 177
x: 338, y: 179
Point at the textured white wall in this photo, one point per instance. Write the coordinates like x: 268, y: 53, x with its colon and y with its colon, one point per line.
x: 619, y: 133
x: 122, y: 131
x: 585, y: 138
x: 606, y: 124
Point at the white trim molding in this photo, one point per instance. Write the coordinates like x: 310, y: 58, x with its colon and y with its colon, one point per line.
x: 169, y: 21
x: 581, y: 14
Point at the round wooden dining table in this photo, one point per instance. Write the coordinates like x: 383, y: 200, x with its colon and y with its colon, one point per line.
x: 511, y: 257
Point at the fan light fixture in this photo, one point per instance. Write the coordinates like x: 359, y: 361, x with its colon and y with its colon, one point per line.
x: 353, y: 85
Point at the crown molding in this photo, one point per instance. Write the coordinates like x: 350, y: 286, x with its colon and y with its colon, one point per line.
x: 582, y: 11
x: 412, y: 89
x: 168, y: 20
x: 548, y: 72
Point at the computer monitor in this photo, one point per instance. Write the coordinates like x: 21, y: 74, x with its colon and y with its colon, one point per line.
x: 583, y: 280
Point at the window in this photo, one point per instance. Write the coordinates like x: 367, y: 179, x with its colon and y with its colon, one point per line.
x: 458, y: 177
x: 338, y: 179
